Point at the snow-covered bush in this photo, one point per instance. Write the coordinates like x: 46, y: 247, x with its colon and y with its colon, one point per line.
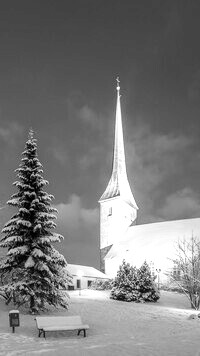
x: 132, y: 284
x: 102, y: 284
x: 33, y: 270
x: 146, y: 286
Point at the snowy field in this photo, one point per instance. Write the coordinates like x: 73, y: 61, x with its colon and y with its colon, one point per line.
x: 116, y: 328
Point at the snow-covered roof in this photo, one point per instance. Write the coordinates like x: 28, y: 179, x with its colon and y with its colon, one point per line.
x: 157, y: 240
x: 87, y: 271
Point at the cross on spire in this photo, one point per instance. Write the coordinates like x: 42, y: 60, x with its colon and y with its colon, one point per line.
x: 118, y: 87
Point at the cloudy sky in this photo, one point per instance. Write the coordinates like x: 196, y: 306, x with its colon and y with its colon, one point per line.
x: 58, y: 64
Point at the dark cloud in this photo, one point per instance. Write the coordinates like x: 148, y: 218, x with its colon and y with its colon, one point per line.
x: 80, y: 226
x: 181, y: 204
x: 58, y: 67
x: 10, y: 133
x: 194, y: 88
x: 59, y: 153
x: 153, y: 162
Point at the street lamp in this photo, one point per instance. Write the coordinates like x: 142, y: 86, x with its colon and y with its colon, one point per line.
x: 158, y: 271
x: 80, y: 275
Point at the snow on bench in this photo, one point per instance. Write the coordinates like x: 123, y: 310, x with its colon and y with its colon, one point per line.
x: 60, y: 323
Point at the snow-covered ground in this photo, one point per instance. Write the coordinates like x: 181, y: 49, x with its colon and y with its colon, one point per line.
x: 116, y: 328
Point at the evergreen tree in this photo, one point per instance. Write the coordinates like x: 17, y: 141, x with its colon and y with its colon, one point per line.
x: 33, y: 270
x: 124, y: 283
x: 146, y: 286
x: 132, y: 284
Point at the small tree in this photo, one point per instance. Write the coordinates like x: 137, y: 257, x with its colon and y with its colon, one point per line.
x: 146, y: 285
x: 187, y: 267
x: 125, y: 283
x: 33, y: 270
x: 132, y: 284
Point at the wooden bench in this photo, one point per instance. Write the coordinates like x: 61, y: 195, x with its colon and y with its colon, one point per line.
x: 60, y: 323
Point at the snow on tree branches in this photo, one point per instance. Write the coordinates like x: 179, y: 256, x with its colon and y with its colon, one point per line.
x: 134, y: 285
x: 186, y: 270
x: 32, y: 271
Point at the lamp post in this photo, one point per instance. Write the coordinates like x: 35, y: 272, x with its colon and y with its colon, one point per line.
x: 80, y: 275
x: 158, y: 271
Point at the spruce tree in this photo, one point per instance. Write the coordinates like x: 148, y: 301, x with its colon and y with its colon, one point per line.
x: 124, y: 283
x: 33, y: 270
x: 146, y: 285
x: 132, y: 284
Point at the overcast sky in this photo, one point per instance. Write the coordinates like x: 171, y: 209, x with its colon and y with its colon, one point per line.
x: 58, y: 64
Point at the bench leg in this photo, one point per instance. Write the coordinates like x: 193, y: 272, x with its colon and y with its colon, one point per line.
x: 84, y: 331
x: 41, y: 332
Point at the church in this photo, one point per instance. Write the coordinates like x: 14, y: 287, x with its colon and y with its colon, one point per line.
x: 120, y: 236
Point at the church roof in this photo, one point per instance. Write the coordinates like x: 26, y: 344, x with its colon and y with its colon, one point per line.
x: 118, y: 184
x: 149, y: 239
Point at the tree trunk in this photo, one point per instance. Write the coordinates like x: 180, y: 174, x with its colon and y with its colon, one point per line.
x: 32, y: 303
x: 195, y: 301
x: 8, y: 299
x: 14, y: 298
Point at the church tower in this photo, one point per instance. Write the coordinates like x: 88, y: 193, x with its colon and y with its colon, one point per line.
x: 118, y: 209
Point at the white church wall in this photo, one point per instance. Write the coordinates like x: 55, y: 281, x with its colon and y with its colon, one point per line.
x: 112, y: 266
x: 115, y: 217
x: 164, y: 267
x: 156, y: 243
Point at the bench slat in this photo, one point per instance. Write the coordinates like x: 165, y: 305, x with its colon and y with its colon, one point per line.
x: 67, y: 327
x: 63, y: 320
x: 59, y: 318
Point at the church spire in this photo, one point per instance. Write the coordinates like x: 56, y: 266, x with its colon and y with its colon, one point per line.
x: 119, y: 165
x: 118, y: 184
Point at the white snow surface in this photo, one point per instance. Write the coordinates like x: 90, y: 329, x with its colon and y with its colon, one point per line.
x: 116, y: 328
x: 37, y: 253
x: 51, y: 238
x: 87, y: 271
x: 25, y: 223
x: 18, y: 250
x: 30, y: 262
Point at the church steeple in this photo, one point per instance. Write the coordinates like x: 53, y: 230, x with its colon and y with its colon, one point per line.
x: 118, y: 209
x: 118, y: 184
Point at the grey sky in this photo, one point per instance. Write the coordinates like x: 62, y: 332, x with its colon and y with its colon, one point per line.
x: 58, y: 63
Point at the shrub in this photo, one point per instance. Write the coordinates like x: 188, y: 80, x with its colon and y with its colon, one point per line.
x: 102, y: 284
x: 132, y: 284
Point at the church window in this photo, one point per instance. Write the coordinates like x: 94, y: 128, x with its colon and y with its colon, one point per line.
x: 89, y: 283
x: 110, y: 211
